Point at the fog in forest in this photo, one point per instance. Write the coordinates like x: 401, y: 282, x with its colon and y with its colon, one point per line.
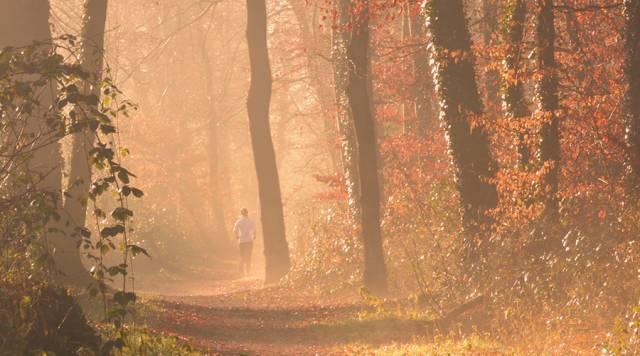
x: 186, y: 177
x: 186, y: 65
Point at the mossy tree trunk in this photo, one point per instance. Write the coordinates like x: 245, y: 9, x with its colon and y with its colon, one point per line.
x: 513, y: 95
x: 460, y: 104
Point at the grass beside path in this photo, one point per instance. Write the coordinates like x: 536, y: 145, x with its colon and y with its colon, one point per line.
x: 240, y: 317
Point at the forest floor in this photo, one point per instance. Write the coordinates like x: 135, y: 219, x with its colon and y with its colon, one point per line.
x: 240, y: 317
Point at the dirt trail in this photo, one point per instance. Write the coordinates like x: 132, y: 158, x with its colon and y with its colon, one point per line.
x: 241, y: 317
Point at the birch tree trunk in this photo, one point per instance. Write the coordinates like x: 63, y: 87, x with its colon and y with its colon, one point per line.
x: 423, y: 87
x: 349, y: 150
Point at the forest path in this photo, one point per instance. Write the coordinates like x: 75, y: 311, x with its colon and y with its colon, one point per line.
x: 240, y: 317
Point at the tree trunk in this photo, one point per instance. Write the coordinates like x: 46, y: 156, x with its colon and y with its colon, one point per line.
x: 460, y: 103
x: 514, y: 102
x: 22, y: 23
x: 491, y: 76
x: 547, y: 98
x: 313, y: 48
x: 423, y: 87
x: 349, y: 151
x: 75, y: 205
x: 359, y: 97
x: 406, y: 114
x: 632, y: 92
x: 276, y: 249
x: 214, y: 99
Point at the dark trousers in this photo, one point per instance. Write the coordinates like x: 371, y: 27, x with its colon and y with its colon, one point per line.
x: 246, y: 248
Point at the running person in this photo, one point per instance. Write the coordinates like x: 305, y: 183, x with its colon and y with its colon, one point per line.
x: 245, y: 232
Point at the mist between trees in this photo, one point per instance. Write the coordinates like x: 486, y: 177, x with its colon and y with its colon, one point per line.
x: 475, y: 162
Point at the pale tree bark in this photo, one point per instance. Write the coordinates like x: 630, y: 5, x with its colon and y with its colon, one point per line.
x: 318, y: 68
x: 276, y: 249
x: 214, y: 112
x: 358, y: 90
x: 547, y: 99
x: 460, y: 103
x: 22, y: 23
x: 348, y: 143
x: 75, y: 205
x: 632, y: 92
x: 491, y: 76
x: 425, y: 112
x: 513, y: 95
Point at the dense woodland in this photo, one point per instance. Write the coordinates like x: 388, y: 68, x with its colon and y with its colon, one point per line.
x: 427, y: 177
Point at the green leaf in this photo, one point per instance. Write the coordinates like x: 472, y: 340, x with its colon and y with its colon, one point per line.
x: 107, y: 129
x: 115, y: 270
x: 137, y: 192
x: 123, y: 175
x: 99, y: 213
x: 112, y: 231
x: 136, y: 250
x: 125, y: 190
x: 121, y: 214
x: 124, y: 298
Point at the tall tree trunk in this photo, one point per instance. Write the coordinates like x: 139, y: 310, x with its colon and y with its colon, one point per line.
x: 423, y: 87
x: 22, y: 23
x: 349, y: 150
x: 491, y: 76
x: 406, y: 114
x: 314, y: 47
x: 276, y: 249
x: 632, y: 92
x: 75, y: 205
x: 214, y: 99
x: 359, y: 97
x: 460, y: 102
x: 514, y: 102
x: 547, y: 98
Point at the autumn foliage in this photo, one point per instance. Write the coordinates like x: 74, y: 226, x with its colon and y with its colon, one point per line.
x: 582, y: 262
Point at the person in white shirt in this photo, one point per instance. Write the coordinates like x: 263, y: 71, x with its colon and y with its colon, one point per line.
x: 245, y: 232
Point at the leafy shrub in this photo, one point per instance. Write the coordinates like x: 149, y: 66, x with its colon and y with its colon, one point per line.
x: 41, y: 103
x: 42, y: 318
x: 625, y: 338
